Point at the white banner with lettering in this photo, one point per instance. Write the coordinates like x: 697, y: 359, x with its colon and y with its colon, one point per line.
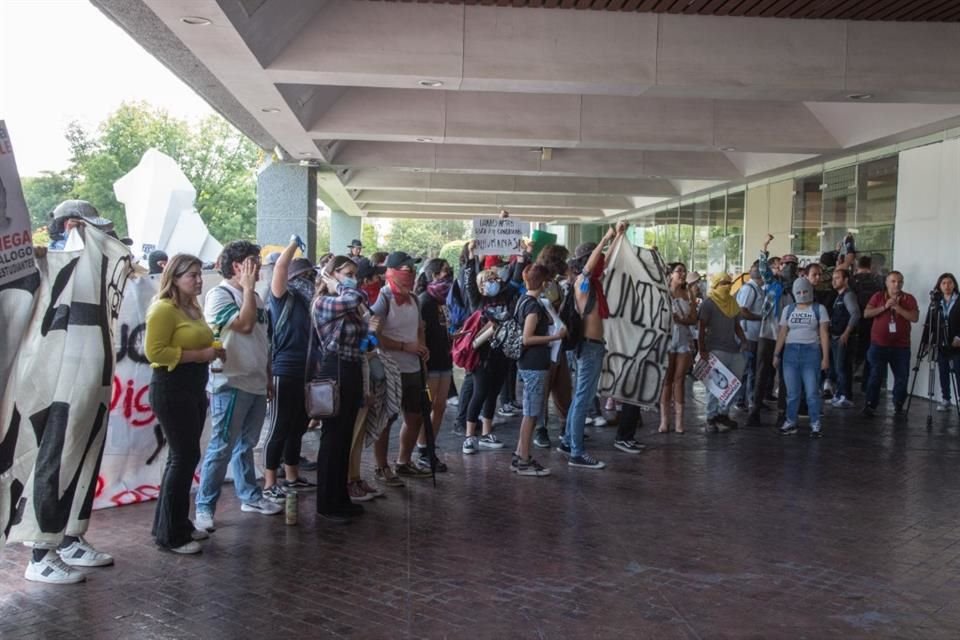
x: 499, y: 236
x: 638, y: 329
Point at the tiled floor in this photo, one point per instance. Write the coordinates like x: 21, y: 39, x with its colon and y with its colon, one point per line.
x: 740, y: 535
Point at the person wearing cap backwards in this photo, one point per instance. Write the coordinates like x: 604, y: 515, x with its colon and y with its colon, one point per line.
x: 722, y: 336
x: 355, y: 248
x: 156, y: 261
x: 289, y: 301
x: 777, y: 293
x: 591, y: 304
x: 892, y: 312
x: 400, y: 331
x: 802, y: 353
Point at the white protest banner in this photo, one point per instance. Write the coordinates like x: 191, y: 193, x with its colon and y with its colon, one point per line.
x: 499, y: 236
x: 16, y: 242
x: 717, y: 378
x: 638, y: 329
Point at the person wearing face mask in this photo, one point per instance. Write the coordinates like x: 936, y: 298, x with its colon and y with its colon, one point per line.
x: 370, y: 278
x: 721, y: 335
x: 804, y: 344
x: 400, y: 330
x: 892, y: 312
x: 339, y: 326
x: 289, y: 301
x: 946, y: 314
x: 432, y: 288
x: 778, y: 294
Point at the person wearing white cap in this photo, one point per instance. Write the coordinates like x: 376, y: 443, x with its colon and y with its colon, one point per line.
x: 802, y: 353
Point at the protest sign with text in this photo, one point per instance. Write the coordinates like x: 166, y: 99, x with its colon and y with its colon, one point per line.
x: 717, y: 378
x: 16, y: 243
x: 499, y: 236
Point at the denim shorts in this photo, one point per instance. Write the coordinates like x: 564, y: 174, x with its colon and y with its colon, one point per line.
x: 534, y: 388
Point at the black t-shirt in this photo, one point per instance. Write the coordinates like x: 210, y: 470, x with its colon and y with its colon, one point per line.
x: 436, y: 322
x: 534, y: 358
x: 291, y: 334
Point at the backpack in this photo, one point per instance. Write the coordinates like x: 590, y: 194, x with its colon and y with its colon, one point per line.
x: 508, y: 337
x: 865, y: 285
x: 572, y: 319
x: 464, y: 355
x: 456, y: 307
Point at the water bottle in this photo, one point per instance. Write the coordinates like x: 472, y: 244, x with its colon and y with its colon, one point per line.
x: 290, y: 511
x: 217, y: 365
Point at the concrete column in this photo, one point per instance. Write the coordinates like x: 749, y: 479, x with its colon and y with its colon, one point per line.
x: 287, y: 204
x: 343, y: 229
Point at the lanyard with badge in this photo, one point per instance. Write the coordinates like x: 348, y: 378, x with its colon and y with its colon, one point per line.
x: 893, y: 321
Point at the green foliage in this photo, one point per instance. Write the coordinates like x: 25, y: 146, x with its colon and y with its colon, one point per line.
x: 425, y: 237
x: 323, y: 235
x: 44, y: 192
x: 368, y: 236
x: 451, y: 253
x: 217, y: 159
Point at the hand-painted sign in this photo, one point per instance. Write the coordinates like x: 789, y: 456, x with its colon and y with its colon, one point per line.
x: 499, y: 236
x: 16, y: 243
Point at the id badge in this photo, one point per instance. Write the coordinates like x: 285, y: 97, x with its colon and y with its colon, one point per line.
x: 893, y: 326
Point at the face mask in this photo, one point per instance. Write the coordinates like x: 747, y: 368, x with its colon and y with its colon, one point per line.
x: 551, y: 292
x: 372, y: 290
x: 349, y: 282
x: 401, y: 278
x: 491, y: 289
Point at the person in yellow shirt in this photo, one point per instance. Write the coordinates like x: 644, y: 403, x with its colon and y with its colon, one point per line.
x: 179, y: 346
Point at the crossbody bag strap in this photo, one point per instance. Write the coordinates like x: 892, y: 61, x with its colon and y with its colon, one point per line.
x: 314, y: 335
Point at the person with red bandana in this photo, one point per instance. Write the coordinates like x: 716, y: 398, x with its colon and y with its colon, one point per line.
x: 400, y: 330
x: 591, y: 304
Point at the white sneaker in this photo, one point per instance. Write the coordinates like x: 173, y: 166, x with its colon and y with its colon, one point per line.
x: 204, y: 520
x: 261, y: 505
x: 187, y: 549
x: 599, y: 421
x: 943, y: 406
x: 841, y: 402
x: 469, y: 445
x: 199, y: 534
x: 53, y: 570
x: 82, y: 554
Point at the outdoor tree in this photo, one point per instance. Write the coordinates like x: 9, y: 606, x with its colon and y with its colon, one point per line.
x: 217, y: 159
x: 368, y: 236
x: 424, y: 237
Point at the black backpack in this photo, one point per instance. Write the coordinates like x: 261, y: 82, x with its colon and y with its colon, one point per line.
x: 571, y: 318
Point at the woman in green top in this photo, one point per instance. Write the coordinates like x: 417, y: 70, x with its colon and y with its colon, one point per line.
x: 179, y: 345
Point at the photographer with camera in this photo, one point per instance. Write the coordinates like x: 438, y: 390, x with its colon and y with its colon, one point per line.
x: 945, y: 323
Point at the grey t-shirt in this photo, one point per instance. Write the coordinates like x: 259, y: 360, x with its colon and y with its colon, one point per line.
x: 400, y: 322
x: 802, y: 323
x: 721, y: 329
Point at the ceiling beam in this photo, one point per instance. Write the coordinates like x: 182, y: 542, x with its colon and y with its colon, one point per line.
x: 492, y: 199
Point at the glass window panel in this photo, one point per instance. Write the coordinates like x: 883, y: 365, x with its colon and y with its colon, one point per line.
x: 716, y: 261
x: 701, y: 235
x: 685, y: 232
x: 807, y: 212
x: 876, y: 208
x: 839, y: 206
x: 733, y: 248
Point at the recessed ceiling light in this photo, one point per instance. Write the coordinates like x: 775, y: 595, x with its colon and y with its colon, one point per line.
x: 728, y: 148
x: 430, y: 83
x: 270, y: 110
x: 195, y: 21
x: 424, y: 139
x: 305, y: 153
x: 859, y: 96
x: 655, y: 177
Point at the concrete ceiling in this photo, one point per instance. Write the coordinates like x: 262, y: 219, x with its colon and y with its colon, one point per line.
x: 450, y: 109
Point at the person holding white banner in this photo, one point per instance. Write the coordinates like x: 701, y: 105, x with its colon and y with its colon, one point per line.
x: 721, y: 335
x: 679, y: 353
x: 803, y: 347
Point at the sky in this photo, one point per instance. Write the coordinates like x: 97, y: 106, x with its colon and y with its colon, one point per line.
x: 63, y: 60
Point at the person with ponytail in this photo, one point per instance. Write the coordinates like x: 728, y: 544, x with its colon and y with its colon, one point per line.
x: 721, y: 335
x: 433, y: 286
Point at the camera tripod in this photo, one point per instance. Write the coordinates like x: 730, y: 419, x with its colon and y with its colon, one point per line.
x: 932, y: 350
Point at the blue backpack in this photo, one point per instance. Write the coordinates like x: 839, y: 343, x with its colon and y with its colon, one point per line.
x: 456, y: 307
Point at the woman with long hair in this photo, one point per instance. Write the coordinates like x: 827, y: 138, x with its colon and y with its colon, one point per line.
x: 340, y: 326
x: 179, y: 346
x: 948, y: 318
x: 679, y: 352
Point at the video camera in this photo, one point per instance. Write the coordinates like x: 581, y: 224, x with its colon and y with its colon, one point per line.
x: 936, y: 295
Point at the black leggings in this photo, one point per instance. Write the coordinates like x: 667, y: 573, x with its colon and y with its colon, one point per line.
x: 288, y: 422
x: 629, y: 422
x: 336, y: 436
x: 487, y: 380
x: 179, y: 400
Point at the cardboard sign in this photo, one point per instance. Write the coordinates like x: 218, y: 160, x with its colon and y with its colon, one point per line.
x: 717, y: 378
x: 499, y: 236
x: 16, y: 242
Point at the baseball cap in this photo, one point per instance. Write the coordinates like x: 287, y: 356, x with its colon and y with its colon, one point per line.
x: 399, y: 259
x: 77, y: 209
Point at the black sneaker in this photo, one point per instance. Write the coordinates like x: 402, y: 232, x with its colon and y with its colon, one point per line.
x: 711, y: 426
x: 563, y: 448
x: 541, y: 439
x: 423, y: 462
x: 307, y: 465
x: 727, y: 421
x: 899, y: 411
x: 507, y: 411
x: 629, y: 446
x: 867, y: 411
x: 753, y: 420
x: 585, y: 461
x: 459, y: 429
x: 300, y: 484
x: 531, y: 467
x: 408, y: 470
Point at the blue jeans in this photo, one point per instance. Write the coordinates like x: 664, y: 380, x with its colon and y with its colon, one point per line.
x: 745, y: 394
x: 898, y: 359
x: 589, y: 362
x: 841, y: 367
x: 801, y: 375
x: 237, y: 418
x: 733, y: 360
x: 945, y: 363
x: 534, y: 388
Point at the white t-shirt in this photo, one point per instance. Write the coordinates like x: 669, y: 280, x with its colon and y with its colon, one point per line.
x: 401, y: 323
x: 750, y: 297
x: 802, y: 323
x: 248, y: 354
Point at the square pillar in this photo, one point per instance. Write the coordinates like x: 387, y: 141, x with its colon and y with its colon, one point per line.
x: 343, y: 229
x: 287, y: 204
